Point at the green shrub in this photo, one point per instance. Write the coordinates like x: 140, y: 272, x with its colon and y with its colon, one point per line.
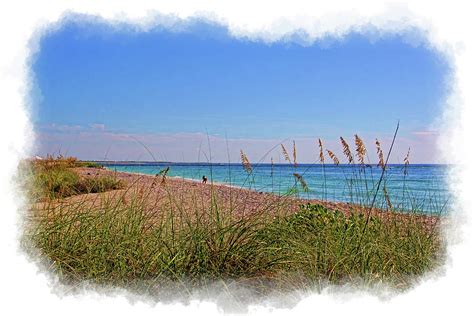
x: 55, y: 182
x: 88, y: 164
x: 56, y: 178
x: 98, y: 184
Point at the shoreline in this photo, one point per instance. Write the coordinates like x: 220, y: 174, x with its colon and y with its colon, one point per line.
x: 210, y: 182
x: 138, y: 163
x: 248, y: 201
x: 302, y: 198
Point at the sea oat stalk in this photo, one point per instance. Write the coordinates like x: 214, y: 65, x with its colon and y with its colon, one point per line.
x: 379, y: 154
x: 303, y: 183
x: 245, y: 162
x: 346, y: 150
x: 285, y: 153
x: 294, y: 154
x: 333, y: 157
x: 361, y: 151
x: 321, y: 153
x: 406, y: 162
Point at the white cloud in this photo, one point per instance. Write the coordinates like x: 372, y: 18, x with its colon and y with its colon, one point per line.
x: 96, y: 126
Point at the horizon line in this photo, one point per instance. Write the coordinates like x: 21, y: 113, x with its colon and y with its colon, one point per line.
x: 239, y: 163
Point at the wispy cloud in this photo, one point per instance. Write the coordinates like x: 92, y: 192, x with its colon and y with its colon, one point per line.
x: 426, y: 133
x: 95, y: 141
x: 63, y: 128
x: 96, y: 126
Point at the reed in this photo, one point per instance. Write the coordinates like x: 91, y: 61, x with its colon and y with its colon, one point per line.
x: 361, y: 151
x: 163, y: 173
x: 285, y: 153
x: 300, y: 179
x: 272, y: 172
x: 381, y: 162
x: 387, y: 198
x: 406, y: 162
x: 333, y: 157
x: 294, y: 155
x: 294, y: 189
x: 321, y: 161
x: 347, y: 150
x: 247, y: 167
x: 321, y: 151
x: 245, y: 162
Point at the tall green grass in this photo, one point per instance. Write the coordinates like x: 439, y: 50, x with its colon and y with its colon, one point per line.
x: 125, y: 240
x: 121, y: 242
x: 56, y: 178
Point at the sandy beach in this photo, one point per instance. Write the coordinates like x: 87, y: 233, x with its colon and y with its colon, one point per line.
x: 192, y: 196
x: 191, y: 229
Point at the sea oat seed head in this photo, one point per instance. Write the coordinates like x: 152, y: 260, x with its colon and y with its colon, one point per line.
x: 321, y: 154
x: 245, y: 162
x: 379, y: 153
x: 333, y: 157
x: 360, y: 149
x: 347, y: 150
x: 303, y: 183
x: 406, y: 162
x: 285, y: 153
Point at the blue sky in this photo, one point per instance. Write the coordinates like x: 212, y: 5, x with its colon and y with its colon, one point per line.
x: 98, y: 85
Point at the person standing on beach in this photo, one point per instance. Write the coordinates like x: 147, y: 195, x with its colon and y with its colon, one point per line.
x: 204, y: 179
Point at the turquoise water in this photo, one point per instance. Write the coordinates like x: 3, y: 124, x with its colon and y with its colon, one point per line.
x: 417, y: 187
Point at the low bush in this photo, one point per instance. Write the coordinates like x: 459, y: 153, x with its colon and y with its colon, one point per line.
x: 56, y: 178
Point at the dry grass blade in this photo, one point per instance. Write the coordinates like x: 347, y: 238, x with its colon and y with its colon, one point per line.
x: 321, y: 154
x: 272, y: 164
x: 333, y: 157
x: 294, y: 154
x: 346, y: 150
x: 379, y: 154
x: 245, y: 162
x: 360, y: 149
x: 123, y: 200
x: 406, y: 162
x: 154, y: 182
x: 163, y: 174
x: 387, y: 198
x: 303, y: 183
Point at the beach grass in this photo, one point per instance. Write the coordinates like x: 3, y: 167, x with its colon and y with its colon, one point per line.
x: 52, y: 178
x: 125, y: 240
x: 120, y: 243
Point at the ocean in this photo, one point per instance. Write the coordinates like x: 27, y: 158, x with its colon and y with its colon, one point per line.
x: 417, y: 187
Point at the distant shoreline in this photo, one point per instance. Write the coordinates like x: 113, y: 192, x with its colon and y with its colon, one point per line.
x: 136, y: 163
x: 187, y: 185
x: 184, y: 179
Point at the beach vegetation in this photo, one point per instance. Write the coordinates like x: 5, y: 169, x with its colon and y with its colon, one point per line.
x: 191, y: 238
x: 52, y: 178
